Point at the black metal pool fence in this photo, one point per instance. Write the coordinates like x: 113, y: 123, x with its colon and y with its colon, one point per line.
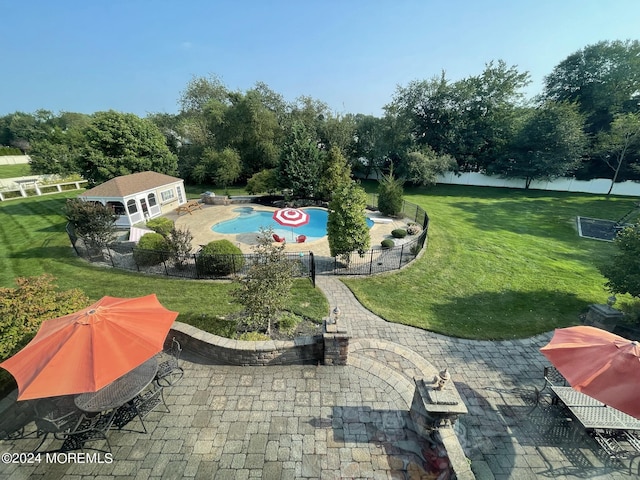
x: 126, y: 256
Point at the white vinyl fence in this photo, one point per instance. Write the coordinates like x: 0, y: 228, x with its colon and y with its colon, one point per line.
x: 597, y: 185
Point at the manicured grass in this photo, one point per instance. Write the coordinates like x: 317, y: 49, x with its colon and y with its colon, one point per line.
x: 33, y: 241
x: 12, y: 171
x: 499, y: 264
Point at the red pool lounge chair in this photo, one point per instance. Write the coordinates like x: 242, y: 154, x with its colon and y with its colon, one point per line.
x: 301, y: 238
x: 278, y: 238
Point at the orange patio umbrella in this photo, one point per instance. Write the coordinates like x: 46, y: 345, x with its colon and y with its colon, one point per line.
x: 600, y: 364
x: 85, y: 351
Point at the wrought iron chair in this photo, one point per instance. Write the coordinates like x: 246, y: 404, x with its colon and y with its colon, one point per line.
x: 140, y: 407
x: 552, y: 378
x: 88, y: 429
x: 56, y: 417
x: 169, y: 370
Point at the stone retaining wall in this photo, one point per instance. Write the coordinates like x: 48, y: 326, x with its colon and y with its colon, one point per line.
x: 224, y: 351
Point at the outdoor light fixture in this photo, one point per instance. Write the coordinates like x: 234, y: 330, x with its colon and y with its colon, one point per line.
x: 442, y: 379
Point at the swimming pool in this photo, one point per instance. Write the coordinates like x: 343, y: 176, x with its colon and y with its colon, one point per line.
x: 251, y: 220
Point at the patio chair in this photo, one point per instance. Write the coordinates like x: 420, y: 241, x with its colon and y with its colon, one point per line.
x: 89, y: 429
x: 301, y: 238
x: 278, y: 238
x: 141, y: 406
x: 552, y: 378
x: 169, y: 370
x: 611, y: 447
x: 56, y: 417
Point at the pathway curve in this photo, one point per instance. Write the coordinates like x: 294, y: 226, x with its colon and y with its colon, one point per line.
x: 496, y: 380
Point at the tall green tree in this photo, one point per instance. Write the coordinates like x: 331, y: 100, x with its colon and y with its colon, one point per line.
x: 335, y: 173
x: 123, y: 143
x: 251, y: 129
x: 300, y: 164
x: 374, y: 140
x: 603, y: 79
x: 550, y: 143
x: 470, y: 119
x: 619, y: 144
x: 423, y: 166
x: 220, y: 168
x: 347, y: 229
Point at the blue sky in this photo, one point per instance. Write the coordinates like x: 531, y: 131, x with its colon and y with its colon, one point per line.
x: 138, y: 56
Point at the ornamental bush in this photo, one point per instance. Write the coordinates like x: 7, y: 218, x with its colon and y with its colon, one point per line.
x: 399, y: 233
x: 219, y: 257
x: 25, y: 307
x: 387, y: 243
x: 161, y: 225
x: 152, y: 249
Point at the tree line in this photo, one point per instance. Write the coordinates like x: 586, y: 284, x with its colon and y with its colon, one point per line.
x: 585, y: 123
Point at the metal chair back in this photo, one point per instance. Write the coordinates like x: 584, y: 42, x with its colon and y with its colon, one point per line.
x: 169, y: 370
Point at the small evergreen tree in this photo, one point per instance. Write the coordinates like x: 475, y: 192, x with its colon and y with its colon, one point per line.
x: 266, y: 289
x: 335, y: 173
x: 347, y: 228
x: 390, y: 194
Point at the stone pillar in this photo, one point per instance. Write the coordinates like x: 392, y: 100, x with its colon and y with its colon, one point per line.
x: 432, y: 408
x: 336, y: 342
x: 603, y: 316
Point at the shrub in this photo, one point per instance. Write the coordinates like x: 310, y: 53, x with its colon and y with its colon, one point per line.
x: 220, y: 257
x: 387, y: 243
x: 91, y: 221
x: 25, y: 307
x: 414, y: 229
x: 288, y: 323
x: 179, y: 244
x: 266, y: 289
x: 161, y: 225
x: 151, y: 250
x: 399, y: 233
x: 5, y: 151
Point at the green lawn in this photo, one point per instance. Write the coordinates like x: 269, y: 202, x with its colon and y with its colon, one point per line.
x: 33, y: 241
x: 11, y: 171
x: 499, y: 264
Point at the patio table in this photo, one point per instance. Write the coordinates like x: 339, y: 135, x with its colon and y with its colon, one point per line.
x: 120, y: 391
x: 573, y: 398
x: 593, y: 414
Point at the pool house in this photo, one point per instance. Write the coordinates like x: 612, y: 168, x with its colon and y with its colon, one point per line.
x: 138, y: 197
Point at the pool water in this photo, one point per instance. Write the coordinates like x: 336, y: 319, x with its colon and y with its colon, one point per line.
x: 250, y: 221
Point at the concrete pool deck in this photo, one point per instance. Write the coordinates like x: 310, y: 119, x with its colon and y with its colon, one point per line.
x: 200, y: 222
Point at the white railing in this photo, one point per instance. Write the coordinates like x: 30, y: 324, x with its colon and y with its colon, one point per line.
x: 30, y: 189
